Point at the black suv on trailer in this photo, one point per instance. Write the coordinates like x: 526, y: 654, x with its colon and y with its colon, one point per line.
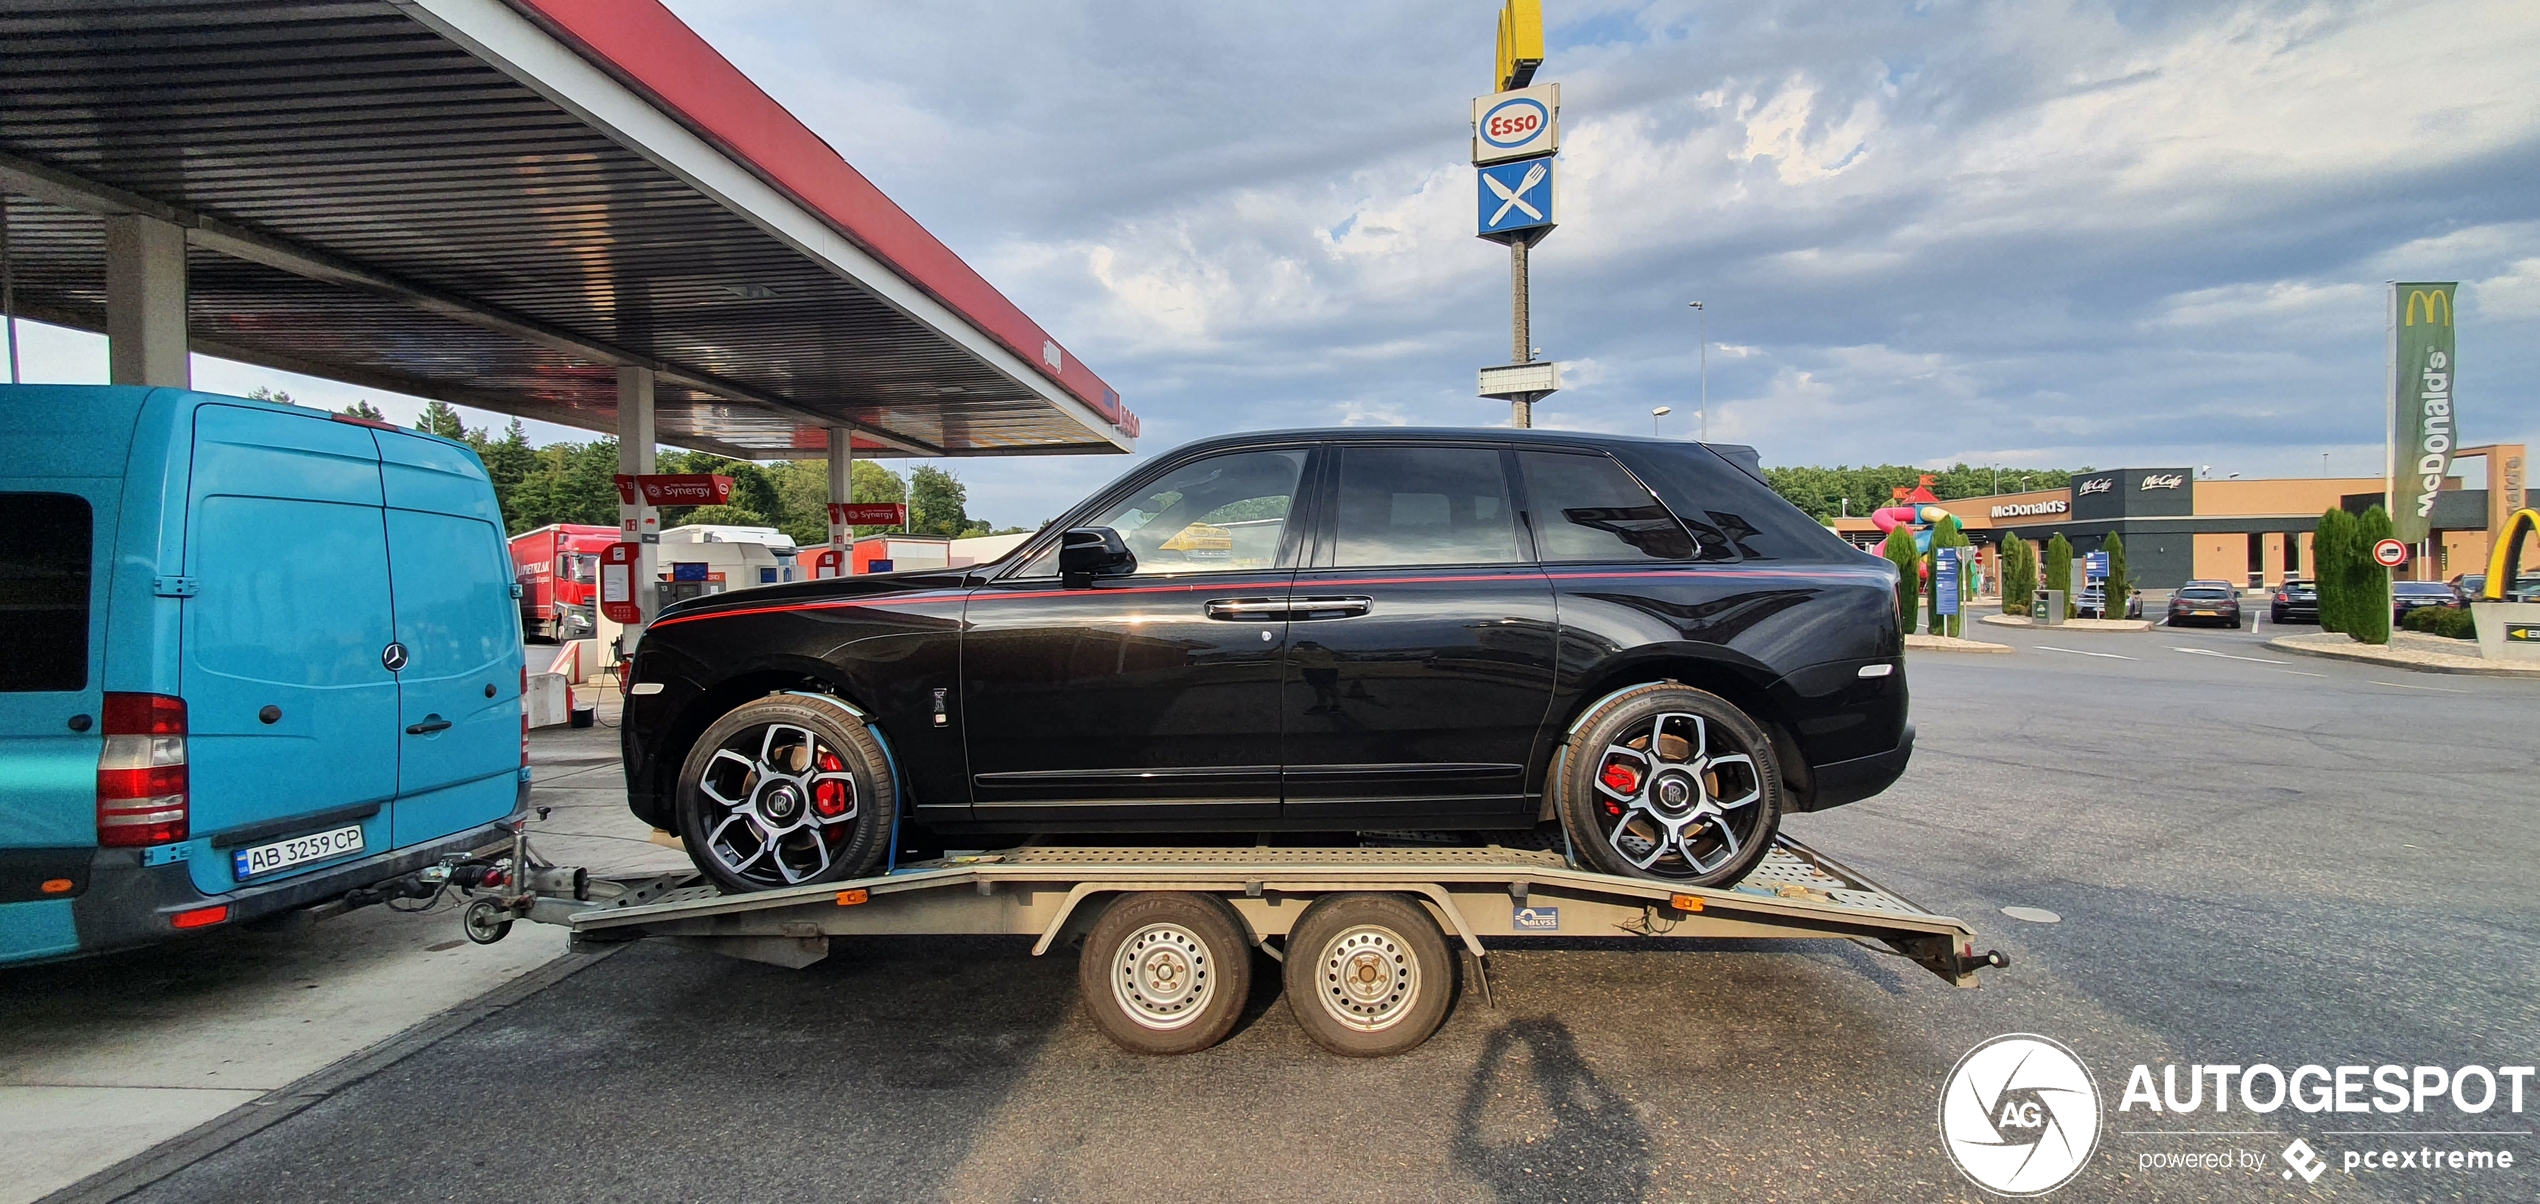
x: 1296, y: 632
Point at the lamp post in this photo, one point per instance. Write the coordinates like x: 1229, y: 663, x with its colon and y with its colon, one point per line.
x: 1655, y: 415
x: 1705, y: 316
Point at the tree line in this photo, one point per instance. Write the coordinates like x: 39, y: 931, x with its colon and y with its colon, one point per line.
x: 577, y: 483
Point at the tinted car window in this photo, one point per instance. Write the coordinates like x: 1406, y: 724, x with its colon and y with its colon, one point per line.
x: 2204, y: 591
x: 1730, y: 513
x: 1585, y: 507
x: 1217, y: 514
x: 2431, y: 589
x: 1424, y: 505
x: 44, y: 592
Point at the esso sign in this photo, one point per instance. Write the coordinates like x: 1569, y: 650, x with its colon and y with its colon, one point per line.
x: 617, y: 583
x: 2390, y: 553
x: 1517, y: 125
x: 1513, y: 123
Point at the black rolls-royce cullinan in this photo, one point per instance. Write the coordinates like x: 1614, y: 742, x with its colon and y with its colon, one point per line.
x: 1630, y: 643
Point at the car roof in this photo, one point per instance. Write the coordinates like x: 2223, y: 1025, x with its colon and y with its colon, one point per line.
x: 1495, y: 434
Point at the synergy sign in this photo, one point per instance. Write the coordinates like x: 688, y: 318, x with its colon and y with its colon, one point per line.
x: 1516, y: 125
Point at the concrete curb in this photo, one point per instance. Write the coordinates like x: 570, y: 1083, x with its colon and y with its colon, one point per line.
x: 2369, y: 654
x: 1949, y: 643
x: 2071, y: 624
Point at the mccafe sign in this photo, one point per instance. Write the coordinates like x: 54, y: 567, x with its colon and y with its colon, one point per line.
x: 2162, y: 480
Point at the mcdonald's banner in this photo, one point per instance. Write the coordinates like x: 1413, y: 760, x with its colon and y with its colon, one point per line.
x: 2423, y: 422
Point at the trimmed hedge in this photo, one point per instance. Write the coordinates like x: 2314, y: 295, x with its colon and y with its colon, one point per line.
x: 2449, y: 622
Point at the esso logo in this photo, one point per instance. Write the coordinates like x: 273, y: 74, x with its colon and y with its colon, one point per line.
x: 1514, y: 123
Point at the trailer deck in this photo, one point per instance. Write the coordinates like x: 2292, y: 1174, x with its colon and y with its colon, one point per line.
x: 1489, y: 893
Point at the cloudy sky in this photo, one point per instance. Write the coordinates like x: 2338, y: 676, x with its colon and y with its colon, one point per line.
x: 2037, y: 233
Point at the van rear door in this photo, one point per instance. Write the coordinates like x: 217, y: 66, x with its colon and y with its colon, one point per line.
x: 458, y: 764
x: 292, y: 712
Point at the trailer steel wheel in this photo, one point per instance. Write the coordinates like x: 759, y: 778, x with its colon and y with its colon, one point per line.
x: 1671, y: 783
x: 1368, y: 975
x: 785, y: 790
x: 1165, y: 972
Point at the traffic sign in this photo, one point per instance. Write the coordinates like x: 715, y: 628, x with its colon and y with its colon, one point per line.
x: 2094, y: 564
x: 1944, y: 580
x: 1517, y: 125
x: 1517, y: 197
x: 2390, y: 553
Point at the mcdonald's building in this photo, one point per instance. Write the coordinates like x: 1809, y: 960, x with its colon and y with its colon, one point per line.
x: 2254, y: 532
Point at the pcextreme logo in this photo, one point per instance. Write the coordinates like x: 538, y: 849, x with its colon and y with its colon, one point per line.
x: 2020, y: 1115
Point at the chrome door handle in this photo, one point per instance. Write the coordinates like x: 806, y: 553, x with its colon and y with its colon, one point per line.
x: 1248, y: 609
x: 430, y: 724
x: 1328, y: 608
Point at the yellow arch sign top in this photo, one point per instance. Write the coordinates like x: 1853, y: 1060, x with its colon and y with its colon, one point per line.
x: 2505, y: 560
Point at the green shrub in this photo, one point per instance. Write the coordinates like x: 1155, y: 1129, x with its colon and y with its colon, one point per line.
x: 2445, y: 621
x: 2331, y: 546
x: 2118, y: 585
x: 2368, y: 584
x: 1899, y: 550
x: 2059, y: 570
x: 2019, y: 572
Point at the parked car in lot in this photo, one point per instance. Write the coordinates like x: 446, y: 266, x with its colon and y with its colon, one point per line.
x: 1323, y: 631
x: 2295, y: 601
x: 255, y: 657
x: 2467, y: 587
x: 2093, y: 604
x: 2200, y: 602
x: 2406, y: 596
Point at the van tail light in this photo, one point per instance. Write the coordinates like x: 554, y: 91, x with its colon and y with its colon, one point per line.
x: 141, y: 785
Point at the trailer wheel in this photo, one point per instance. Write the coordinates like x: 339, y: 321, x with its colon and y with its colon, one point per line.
x: 1368, y: 975
x: 1671, y: 783
x: 785, y: 790
x: 485, y: 921
x: 1165, y: 972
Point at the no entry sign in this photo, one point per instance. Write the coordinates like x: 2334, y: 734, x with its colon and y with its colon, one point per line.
x: 2390, y: 553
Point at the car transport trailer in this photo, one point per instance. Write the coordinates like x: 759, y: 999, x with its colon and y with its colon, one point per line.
x: 1362, y: 934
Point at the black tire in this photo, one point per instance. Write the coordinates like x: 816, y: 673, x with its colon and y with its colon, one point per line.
x: 1368, y: 975
x: 1165, y: 972
x: 760, y: 791
x: 1684, y: 781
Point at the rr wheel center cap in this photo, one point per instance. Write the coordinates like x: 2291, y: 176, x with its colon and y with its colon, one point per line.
x: 1674, y: 791
x: 781, y: 802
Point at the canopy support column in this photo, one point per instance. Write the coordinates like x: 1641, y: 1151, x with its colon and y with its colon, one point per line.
x: 145, y: 302
x: 841, y: 486
x: 638, y: 523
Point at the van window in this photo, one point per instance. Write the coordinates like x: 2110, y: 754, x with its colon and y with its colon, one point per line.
x: 44, y: 592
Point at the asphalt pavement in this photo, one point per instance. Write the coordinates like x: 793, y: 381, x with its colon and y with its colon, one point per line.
x: 2254, y: 857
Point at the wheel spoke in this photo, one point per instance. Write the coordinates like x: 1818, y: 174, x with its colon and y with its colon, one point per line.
x: 818, y: 846
x: 1729, y: 846
x: 797, y: 754
x: 716, y: 842
x: 1657, y: 847
x: 749, y: 768
x: 1755, y: 781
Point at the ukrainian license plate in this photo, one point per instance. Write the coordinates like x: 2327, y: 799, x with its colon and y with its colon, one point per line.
x: 299, y: 850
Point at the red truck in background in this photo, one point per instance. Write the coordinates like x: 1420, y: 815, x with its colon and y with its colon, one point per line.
x: 558, y: 568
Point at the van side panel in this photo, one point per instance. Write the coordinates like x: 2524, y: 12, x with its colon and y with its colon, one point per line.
x: 459, y: 694
x: 292, y: 713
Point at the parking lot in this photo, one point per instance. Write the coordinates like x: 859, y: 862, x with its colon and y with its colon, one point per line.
x: 2250, y: 864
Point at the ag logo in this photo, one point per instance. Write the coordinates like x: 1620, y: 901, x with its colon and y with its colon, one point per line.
x: 2020, y: 1115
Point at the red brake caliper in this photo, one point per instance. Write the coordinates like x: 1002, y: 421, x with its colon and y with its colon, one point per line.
x: 1621, y: 779
x: 830, y: 798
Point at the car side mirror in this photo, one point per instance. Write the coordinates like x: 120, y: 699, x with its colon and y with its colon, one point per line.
x: 1085, y: 553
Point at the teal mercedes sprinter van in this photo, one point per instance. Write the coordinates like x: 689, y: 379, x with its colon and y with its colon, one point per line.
x: 252, y: 657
